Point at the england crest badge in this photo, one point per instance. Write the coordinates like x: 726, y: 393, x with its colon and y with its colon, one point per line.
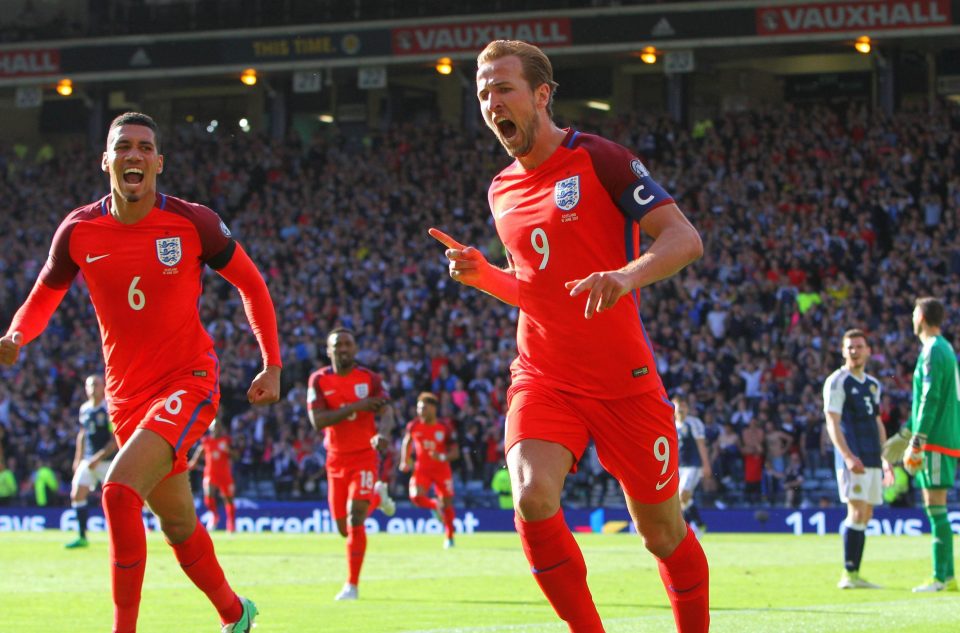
x: 361, y: 390
x: 169, y: 251
x: 566, y: 193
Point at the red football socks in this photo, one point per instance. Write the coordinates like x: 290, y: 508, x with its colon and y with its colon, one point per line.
x: 128, y: 553
x: 374, y: 503
x: 199, y: 562
x: 211, y: 505
x: 231, y: 509
x: 686, y: 578
x: 558, y: 567
x: 424, y: 502
x: 448, y: 516
x: 356, y: 549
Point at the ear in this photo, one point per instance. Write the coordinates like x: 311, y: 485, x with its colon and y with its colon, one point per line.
x: 543, y: 95
x: 105, y: 164
x: 160, y: 164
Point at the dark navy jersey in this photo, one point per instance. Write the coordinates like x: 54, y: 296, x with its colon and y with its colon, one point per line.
x: 858, y: 404
x: 688, y: 432
x: 96, y: 422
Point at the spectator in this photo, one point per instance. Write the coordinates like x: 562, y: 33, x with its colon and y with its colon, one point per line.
x: 793, y: 482
x: 8, y: 485
x: 500, y: 484
x: 46, y: 486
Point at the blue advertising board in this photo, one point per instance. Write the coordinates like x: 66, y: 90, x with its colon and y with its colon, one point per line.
x: 302, y: 517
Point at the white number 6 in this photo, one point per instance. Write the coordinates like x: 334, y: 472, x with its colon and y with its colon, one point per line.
x: 173, y: 404
x: 661, y: 450
x: 538, y: 239
x: 135, y: 296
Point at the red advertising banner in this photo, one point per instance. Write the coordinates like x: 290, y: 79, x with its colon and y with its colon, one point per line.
x: 27, y: 63
x: 853, y: 16
x: 449, y: 38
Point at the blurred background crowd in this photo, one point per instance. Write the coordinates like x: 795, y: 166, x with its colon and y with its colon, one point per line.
x: 814, y: 220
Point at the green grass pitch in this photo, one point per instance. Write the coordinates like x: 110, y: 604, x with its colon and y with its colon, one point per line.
x: 762, y: 583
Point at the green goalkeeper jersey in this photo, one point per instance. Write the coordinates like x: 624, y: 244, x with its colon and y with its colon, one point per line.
x: 936, y: 397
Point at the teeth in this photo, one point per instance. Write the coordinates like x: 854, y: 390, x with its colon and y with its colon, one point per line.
x: 133, y: 170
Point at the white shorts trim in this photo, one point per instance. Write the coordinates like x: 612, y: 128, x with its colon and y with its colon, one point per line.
x: 90, y: 477
x: 690, y: 477
x: 866, y: 487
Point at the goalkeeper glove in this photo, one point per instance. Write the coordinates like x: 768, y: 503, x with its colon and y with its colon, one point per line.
x: 896, y: 444
x: 913, y: 458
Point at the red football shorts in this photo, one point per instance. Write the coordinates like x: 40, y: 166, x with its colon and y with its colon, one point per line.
x: 635, y: 437
x: 180, y: 414
x: 223, y: 483
x: 437, y: 474
x: 350, y: 476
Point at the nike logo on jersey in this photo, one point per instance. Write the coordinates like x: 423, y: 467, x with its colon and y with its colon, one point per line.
x: 91, y: 258
x: 329, y: 392
x: 510, y: 210
x: 661, y: 484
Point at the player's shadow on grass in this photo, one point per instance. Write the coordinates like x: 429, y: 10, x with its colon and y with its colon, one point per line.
x: 531, y: 603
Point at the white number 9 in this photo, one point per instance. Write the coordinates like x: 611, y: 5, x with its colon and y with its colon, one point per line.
x: 661, y: 450
x: 538, y: 239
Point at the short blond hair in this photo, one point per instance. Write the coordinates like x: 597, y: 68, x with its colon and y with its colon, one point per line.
x: 537, y: 69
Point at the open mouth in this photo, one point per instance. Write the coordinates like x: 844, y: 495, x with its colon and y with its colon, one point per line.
x: 133, y: 176
x: 508, y: 129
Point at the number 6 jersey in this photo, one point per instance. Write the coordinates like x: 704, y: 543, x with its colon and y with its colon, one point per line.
x: 573, y: 215
x: 145, y: 284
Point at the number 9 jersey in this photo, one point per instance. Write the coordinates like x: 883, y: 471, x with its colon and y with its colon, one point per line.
x: 573, y: 215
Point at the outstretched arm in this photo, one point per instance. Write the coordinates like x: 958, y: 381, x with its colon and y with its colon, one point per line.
x: 257, y: 304
x: 469, y: 267
x: 30, y: 320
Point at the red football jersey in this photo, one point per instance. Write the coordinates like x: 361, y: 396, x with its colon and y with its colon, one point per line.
x: 145, y: 284
x: 430, y: 440
x: 328, y: 390
x: 216, y: 457
x: 573, y: 215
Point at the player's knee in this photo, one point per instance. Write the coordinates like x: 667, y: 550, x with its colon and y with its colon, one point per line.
x: 534, y: 503
x: 661, y: 538
x: 178, y: 527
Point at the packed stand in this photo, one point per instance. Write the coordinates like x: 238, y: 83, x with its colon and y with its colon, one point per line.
x: 814, y: 221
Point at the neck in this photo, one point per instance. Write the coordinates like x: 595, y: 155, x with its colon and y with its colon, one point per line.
x: 127, y: 212
x: 549, y: 137
x: 343, y: 370
x: 856, y: 371
x: 928, y: 334
x: 95, y: 401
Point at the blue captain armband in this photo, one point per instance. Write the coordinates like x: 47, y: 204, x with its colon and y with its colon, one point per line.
x: 641, y: 197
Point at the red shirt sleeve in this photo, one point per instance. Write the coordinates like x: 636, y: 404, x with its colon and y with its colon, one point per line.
x: 625, y: 178
x: 243, y: 273
x: 60, y: 269
x: 315, y: 399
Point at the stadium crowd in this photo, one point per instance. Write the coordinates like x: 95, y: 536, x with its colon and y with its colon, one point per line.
x: 814, y: 219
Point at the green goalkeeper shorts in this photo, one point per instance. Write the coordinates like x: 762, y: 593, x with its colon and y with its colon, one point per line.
x: 938, y: 471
